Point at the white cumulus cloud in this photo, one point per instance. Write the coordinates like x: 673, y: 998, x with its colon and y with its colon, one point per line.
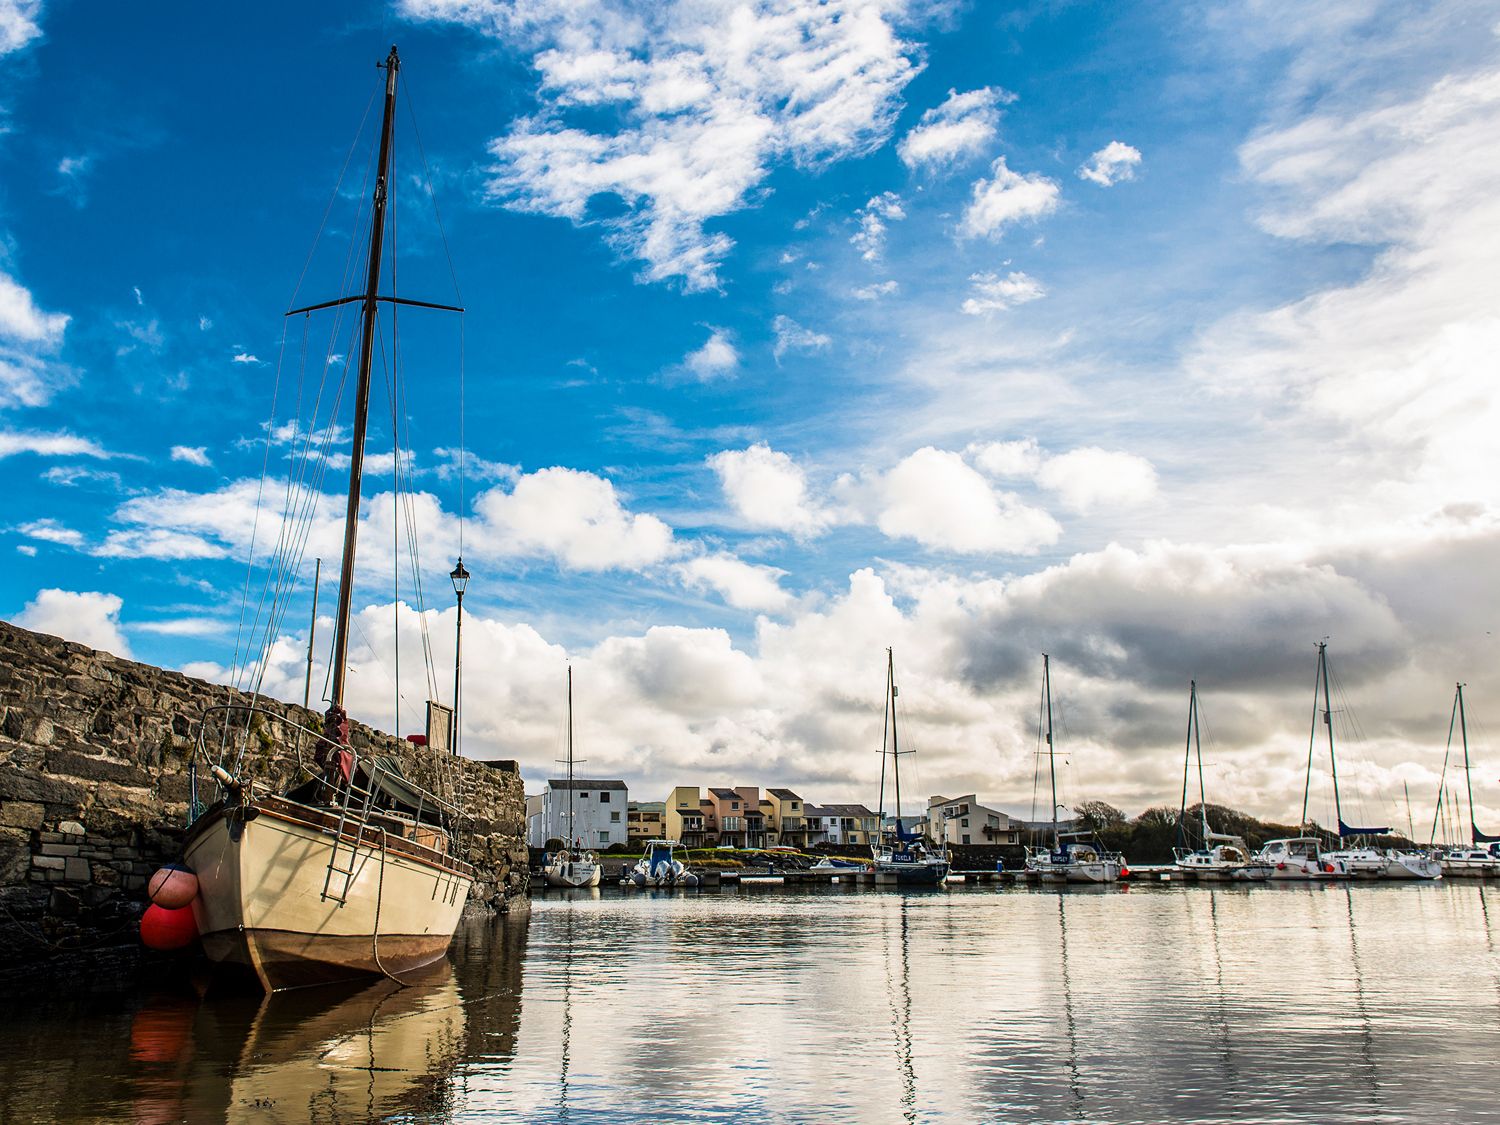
x: 1089, y: 477
x: 87, y: 617
x: 192, y: 454
x: 1114, y: 162
x: 769, y: 490
x: 574, y: 517
x: 1007, y: 198
x: 716, y: 359
x: 741, y: 584
x: 961, y: 127
x: 934, y: 497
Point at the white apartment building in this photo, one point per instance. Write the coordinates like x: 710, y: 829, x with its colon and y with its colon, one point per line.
x: 963, y: 820
x: 600, y: 814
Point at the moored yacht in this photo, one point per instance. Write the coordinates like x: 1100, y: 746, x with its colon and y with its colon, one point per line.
x: 905, y: 858
x: 353, y: 871
x: 571, y: 866
x: 1410, y: 864
x: 1074, y: 857
x: 1222, y: 857
x: 1296, y: 857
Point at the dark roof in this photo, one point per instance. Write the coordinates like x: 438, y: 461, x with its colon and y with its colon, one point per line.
x: 846, y: 810
x: 718, y: 792
x: 581, y: 783
x: 784, y: 794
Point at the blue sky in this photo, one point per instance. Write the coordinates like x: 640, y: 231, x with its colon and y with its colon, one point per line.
x: 1158, y: 337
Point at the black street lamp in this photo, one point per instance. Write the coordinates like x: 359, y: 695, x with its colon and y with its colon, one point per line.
x: 460, y: 578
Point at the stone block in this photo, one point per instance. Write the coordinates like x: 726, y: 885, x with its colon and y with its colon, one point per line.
x: 20, y: 814
x: 88, y: 767
x: 33, y: 785
x: 49, y: 862
x: 77, y: 870
x: 60, y: 849
x: 15, y: 855
x: 71, y: 828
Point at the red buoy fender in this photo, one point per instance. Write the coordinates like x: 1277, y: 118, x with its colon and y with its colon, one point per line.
x: 165, y: 929
x: 172, y: 887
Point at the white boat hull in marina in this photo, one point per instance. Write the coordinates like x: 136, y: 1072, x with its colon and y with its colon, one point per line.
x: 572, y: 874
x: 267, y: 900
x: 1409, y: 865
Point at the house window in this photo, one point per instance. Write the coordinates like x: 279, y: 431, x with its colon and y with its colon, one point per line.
x: 614, y: 818
x: 583, y: 796
x: 604, y: 838
x: 964, y: 823
x: 966, y: 837
x: 794, y: 806
x: 604, y: 798
x: 734, y: 804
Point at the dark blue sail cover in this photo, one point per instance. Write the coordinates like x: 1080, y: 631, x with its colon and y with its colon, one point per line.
x: 1482, y: 837
x: 1345, y: 830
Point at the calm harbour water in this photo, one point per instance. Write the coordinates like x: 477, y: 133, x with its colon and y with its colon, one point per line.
x: 1136, y: 1004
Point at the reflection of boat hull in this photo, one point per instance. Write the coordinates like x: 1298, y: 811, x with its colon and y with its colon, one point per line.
x: 664, y: 879
x: 262, y: 901
x: 911, y: 874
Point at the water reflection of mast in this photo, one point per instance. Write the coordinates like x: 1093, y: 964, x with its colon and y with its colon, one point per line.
x: 1225, y: 1042
x: 1075, y: 1084
x: 1367, y: 1035
x: 899, y: 991
x: 567, y: 1016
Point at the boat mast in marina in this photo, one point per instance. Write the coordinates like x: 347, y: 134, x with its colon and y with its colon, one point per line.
x: 907, y: 858
x: 572, y: 866
x: 351, y: 872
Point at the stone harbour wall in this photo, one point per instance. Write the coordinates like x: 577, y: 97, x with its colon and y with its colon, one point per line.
x: 95, y: 789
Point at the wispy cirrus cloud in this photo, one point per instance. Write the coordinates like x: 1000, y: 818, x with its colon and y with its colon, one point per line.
x: 55, y: 444
x: 989, y: 292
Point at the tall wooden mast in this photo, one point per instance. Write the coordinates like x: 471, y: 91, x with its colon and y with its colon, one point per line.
x: 336, y: 721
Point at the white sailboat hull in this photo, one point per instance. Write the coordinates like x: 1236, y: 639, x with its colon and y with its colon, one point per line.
x: 266, y: 898
x: 573, y: 874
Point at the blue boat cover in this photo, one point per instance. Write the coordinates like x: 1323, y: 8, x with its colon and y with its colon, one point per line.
x: 1345, y: 830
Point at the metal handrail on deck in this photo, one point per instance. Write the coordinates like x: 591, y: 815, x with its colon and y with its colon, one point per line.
x: 445, y: 808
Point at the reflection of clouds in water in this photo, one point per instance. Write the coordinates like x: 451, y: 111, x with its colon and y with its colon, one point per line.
x: 965, y: 1004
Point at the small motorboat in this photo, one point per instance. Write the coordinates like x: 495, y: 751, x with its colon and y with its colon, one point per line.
x: 660, y: 868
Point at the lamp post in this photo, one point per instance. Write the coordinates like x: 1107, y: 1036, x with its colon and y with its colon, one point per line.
x: 460, y: 578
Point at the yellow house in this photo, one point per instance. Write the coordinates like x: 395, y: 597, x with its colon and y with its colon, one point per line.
x: 682, y: 816
x: 645, y: 821
x: 786, y: 818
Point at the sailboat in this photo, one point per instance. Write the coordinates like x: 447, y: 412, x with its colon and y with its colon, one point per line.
x: 906, y: 857
x: 1075, y: 857
x: 352, y: 872
x: 1359, y: 862
x: 1221, y: 856
x: 571, y: 866
x: 1475, y: 861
